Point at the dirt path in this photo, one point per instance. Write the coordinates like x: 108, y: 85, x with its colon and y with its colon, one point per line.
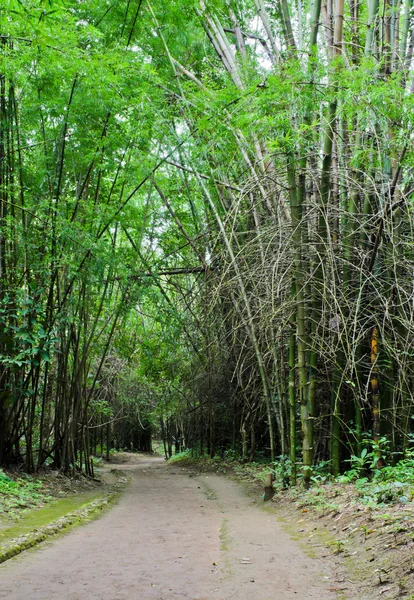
x: 171, y: 537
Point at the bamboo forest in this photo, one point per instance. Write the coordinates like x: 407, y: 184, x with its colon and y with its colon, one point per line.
x: 206, y: 266
x: 206, y: 230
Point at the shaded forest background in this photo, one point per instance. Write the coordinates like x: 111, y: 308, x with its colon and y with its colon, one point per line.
x: 206, y: 229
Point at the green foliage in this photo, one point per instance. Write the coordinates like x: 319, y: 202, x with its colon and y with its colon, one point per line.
x: 147, y: 256
x: 182, y: 457
x: 282, y: 471
x: 359, y: 466
x: 387, y: 485
x: 20, y: 494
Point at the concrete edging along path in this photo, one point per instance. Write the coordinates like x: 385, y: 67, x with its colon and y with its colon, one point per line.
x: 85, y: 512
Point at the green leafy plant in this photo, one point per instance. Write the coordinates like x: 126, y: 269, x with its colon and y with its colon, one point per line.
x: 17, y: 495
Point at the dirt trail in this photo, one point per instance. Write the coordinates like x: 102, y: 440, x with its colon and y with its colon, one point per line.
x: 171, y: 537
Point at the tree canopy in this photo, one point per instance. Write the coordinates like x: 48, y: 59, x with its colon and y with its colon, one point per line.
x: 206, y: 228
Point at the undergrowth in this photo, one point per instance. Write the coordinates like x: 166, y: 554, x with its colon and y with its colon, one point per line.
x: 371, y: 485
x: 19, y: 494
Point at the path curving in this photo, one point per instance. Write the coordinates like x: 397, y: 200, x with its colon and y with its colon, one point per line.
x: 171, y: 537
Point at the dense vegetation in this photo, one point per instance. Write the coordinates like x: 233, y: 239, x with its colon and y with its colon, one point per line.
x: 206, y: 229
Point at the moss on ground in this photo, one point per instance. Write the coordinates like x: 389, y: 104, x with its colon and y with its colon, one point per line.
x: 40, y: 517
x: 65, y: 514
x: 224, y: 535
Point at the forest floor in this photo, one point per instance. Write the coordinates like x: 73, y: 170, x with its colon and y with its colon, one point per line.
x: 177, y: 534
x: 375, y: 542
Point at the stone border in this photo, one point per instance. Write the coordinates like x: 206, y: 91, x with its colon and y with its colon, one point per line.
x: 37, y: 536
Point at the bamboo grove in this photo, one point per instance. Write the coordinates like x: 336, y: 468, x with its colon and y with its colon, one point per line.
x: 206, y: 229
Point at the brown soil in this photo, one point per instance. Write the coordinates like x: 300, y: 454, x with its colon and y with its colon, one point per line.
x: 374, y: 543
x: 172, y: 536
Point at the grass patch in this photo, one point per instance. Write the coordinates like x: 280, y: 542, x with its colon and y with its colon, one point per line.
x: 224, y: 535
x: 182, y: 457
x: 12, y: 547
x: 36, y: 518
x: 62, y: 515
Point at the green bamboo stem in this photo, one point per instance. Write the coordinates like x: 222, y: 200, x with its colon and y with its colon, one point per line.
x: 302, y: 337
x: 372, y: 15
x: 292, y: 390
